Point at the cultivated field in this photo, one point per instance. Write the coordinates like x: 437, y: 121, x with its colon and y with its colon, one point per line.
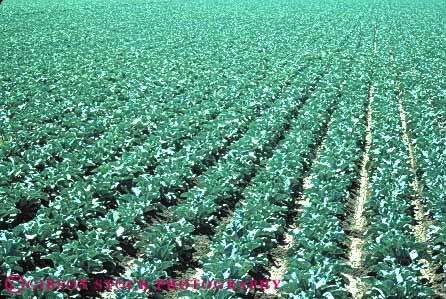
x: 301, y: 141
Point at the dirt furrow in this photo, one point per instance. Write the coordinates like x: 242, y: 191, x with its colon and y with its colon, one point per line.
x: 357, y: 221
x: 355, y: 286
x: 421, y: 226
x: 279, y: 254
x: 421, y: 218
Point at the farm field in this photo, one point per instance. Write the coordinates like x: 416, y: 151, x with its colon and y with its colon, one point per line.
x: 296, y: 141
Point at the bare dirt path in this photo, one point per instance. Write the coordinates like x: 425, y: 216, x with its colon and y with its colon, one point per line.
x: 279, y: 254
x: 357, y: 221
x: 421, y: 218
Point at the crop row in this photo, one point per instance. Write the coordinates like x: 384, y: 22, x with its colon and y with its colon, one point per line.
x: 393, y: 253
x: 240, y: 249
x: 317, y: 257
x: 425, y: 119
x: 51, y: 171
x: 43, y: 168
x: 219, y: 187
x: 168, y: 136
x: 103, y: 252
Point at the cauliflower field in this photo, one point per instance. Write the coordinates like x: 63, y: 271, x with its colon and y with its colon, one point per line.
x: 289, y: 140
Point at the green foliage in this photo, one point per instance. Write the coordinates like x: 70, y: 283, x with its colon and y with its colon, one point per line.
x: 130, y: 127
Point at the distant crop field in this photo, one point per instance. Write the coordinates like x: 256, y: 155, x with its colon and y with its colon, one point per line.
x: 253, y: 149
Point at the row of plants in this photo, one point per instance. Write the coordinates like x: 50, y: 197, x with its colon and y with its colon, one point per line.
x: 201, y: 203
x: 51, y: 171
x: 49, y: 179
x: 240, y: 248
x: 392, y: 252
x: 113, y: 126
x: 70, y: 213
x: 425, y: 121
x: 45, y: 236
x: 317, y: 258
